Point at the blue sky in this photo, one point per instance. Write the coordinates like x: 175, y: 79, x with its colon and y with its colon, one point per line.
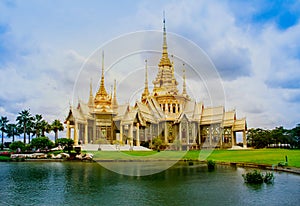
x: 254, y: 45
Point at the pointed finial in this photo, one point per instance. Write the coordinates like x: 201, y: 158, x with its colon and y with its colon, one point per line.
x: 91, y: 86
x: 115, y: 88
x: 114, y: 101
x: 102, y: 89
x: 146, y: 90
x: 164, y: 20
x: 164, y: 61
x: 102, y: 62
x: 146, y: 74
x: 91, y: 97
x: 184, y: 84
x: 111, y: 90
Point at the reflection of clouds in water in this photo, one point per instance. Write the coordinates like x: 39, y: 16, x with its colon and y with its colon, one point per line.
x: 138, y: 168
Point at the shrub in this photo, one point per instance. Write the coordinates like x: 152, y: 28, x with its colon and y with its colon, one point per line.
x: 41, y: 143
x: 257, y: 177
x: 16, y: 145
x: 269, y: 177
x: 157, y: 143
x: 66, y: 143
x: 211, y: 165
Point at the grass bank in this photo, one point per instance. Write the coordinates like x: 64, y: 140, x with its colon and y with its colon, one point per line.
x: 4, y: 158
x: 258, y: 156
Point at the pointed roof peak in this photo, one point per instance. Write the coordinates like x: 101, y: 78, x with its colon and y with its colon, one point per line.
x: 102, y: 90
x: 184, y: 83
x: 146, y: 90
x: 164, y: 61
x: 91, y: 97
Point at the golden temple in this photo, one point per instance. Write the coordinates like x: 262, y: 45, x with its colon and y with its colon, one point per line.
x: 165, y: 113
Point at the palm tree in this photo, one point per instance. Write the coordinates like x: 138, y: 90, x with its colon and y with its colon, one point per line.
x: 30, y: 129
x: 45, y: 127
x: 3, y: 127
x: 23, y: 118
x: 12, y: 131
x: 57, y: 126
x: 37, y: 120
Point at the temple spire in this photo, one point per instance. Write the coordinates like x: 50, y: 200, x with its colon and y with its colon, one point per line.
x: 114, y: 100
x: 184, y: 83
x: 91, y: 97
x: 146, y: 90
x: 164, y: 61
x: 102, y: 100
x: 102, y: 89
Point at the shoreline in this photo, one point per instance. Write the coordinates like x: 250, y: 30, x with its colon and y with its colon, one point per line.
x: 276, y: 168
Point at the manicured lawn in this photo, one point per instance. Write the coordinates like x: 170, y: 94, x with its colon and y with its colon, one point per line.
x: 4, y: 158
x: 259, y: 156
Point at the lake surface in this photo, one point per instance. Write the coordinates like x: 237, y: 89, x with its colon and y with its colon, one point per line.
x: 80, y: 183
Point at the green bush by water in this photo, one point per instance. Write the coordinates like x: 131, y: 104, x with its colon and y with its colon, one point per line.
x: 211, y: 164
x: 256, y: 177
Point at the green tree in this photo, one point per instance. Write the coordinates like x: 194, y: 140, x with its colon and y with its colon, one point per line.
x: 42, y: 143
x: 57, y: 126
x: 157, y: 143
x: 23, y: 119
x: 258, y: 138
x: 3, y: 127
x: 37, y: 120
x: 65, y: 143
x: 295, y: 136
x: 45, y: 127
x: 16, y: 145
x: 30, y: 129
x: 12, y: 131
x: 279, y: 136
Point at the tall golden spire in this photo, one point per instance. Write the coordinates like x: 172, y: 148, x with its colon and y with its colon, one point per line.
x: 102, y: 100
x: 102, y: 90
x: 184, y: 83
x: 91, y: 97
x: 146, y: 90
x: 114, y: 100
x: 164, y: 61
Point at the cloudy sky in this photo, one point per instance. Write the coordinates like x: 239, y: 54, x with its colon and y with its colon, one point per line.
x: 254, y: 46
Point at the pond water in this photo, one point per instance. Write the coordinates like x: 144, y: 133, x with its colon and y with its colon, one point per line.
x: 80, y: 183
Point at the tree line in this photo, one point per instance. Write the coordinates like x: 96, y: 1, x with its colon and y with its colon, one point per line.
x: 277, y: 137
x: 29, y: 125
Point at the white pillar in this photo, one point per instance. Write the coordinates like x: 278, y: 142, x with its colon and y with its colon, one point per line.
x: 194, y: 132
x: 131, y: 134
x: 137, y: 134
x: 85, y: 133
x: 166, y: 133
x: 76, y: 134
x: 210, y: 136
x: 244, y: 139
x: 232, y: 138
x: 121, y: 133
x: 188, y: 132
x: 180, y: 136
x: 199, y: 132
x: 145, y: 133
x: 68, y: 129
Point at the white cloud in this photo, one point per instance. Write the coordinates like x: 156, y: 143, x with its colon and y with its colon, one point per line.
x: 258, y: 63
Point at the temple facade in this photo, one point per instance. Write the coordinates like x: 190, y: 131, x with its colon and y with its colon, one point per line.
x: 165, y: 112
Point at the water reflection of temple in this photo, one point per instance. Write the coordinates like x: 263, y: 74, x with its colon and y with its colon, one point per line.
x: 165, y: 112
